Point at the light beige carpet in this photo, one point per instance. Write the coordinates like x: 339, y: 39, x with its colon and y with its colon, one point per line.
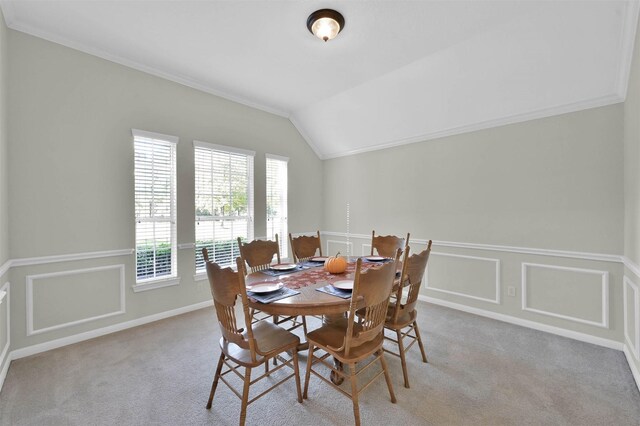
x: 481, y: 372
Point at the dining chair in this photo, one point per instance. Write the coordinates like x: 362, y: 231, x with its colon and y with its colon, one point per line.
x: 402, y: 316
x: 386, y: 245
x: 305, y: 247
x: 259, y: 254
x: 351, y: 342
x: 247, y: 346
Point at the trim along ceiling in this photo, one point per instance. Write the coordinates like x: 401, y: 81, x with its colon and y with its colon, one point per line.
x: 399, y: 72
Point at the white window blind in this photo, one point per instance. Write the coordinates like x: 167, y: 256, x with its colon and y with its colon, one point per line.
x: 224, y: 201
x: 155, y: 205
x: 277, y: 201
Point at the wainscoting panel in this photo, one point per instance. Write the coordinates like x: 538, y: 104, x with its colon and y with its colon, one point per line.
x: 574, y: 294
x: 5, y: 327
x: 467, y: 276
x: 63, y: 299
x: 632, y: 316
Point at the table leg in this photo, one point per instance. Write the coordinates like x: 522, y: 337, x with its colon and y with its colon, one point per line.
x: 335, y: 378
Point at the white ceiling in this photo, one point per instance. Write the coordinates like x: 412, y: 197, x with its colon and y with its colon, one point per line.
x: 400, y: 71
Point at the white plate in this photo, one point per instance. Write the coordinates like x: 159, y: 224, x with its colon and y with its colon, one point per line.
x: 318, y: 259
x: 376, y: 258
x: 265, y: 287
x: 283, y: 267
x: 343, y: 285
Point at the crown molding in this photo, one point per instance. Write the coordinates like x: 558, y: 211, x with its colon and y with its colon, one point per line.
x: 488, y: 124
x: 174, y: 77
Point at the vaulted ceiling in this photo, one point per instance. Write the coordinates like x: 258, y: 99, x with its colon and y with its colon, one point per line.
x: 399, y: 72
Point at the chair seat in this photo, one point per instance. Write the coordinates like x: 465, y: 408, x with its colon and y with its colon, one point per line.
x: 404, y: 319
x: 270, y: 340
x: 332, y: 335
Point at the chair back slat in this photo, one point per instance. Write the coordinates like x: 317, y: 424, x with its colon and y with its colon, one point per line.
x: 305, y: 247
x: 413, y: 269
x: 259, y: 254
x: 386, y: 245
x: 375, y: 286
x: 226, y: 285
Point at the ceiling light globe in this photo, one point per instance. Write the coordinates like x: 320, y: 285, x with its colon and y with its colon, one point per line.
x: 325, y: 28
x: 325, y: 23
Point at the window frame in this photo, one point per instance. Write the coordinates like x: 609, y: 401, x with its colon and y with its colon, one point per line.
x: 250, y: 217
x: 173, y: 278
x: 284, y: 238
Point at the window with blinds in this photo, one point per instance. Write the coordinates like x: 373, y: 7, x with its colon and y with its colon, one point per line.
x: 223, y: 201
x: 277, y: 201
x: 155, y: 205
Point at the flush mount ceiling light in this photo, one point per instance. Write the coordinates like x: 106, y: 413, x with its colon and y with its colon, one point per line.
x: 325, y: 23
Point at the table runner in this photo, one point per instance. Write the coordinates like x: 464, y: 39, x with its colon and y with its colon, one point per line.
x: 312, y: 276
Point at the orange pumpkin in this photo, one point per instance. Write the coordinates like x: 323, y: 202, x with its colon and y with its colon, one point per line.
x: 335, y: 264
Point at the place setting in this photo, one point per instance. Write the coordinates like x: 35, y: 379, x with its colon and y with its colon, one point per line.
x: 283, y: 269
x: 342, y: 289
x: 377, y: 259
x: 268, y: 292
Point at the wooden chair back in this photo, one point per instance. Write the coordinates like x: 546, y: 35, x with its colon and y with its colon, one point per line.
x: 258, y: 254
x: 375, y: 286
x: 413, y: 268
x: 305, y: 247
x: 386, y: 245
x: 226, y: 285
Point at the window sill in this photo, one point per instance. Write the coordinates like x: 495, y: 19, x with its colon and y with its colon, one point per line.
x: 154, y: 284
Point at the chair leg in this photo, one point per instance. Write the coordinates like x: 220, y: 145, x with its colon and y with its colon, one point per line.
x: 386, y: 376
x: 215, y: 380
x: 275, y: 321
x: 354, y: 393
x: 297, y: 373
x: 304, y: 325
x: 245, y: 396
x: 307, y: 375
x: 415, y: 328
x: 403, y: 359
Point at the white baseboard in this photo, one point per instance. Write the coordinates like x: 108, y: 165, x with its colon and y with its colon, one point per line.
x: 634, y: 369
x: 69, y: 340
x: 607, y: 343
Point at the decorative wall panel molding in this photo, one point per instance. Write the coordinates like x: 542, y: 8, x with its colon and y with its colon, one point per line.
x: 496, y: 262
x: 631, y: 292
x: 30, y: 305
x: 604, y: 275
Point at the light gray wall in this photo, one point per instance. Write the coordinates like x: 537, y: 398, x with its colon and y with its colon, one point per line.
x: 632, y: 196
x: 72, y: 177
x: 544, y: 185
x: 553, y: 183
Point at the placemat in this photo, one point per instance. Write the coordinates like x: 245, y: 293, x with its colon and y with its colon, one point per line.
x: 379, y: 262
x: 275, y: 273
x: 311, y: 264
x: 329, y: 289
x: 283, y: 293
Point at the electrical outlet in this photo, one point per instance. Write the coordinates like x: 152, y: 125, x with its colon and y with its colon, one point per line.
x: 511, y: 291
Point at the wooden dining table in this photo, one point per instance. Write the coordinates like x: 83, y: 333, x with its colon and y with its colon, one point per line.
x: 309, y: 301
